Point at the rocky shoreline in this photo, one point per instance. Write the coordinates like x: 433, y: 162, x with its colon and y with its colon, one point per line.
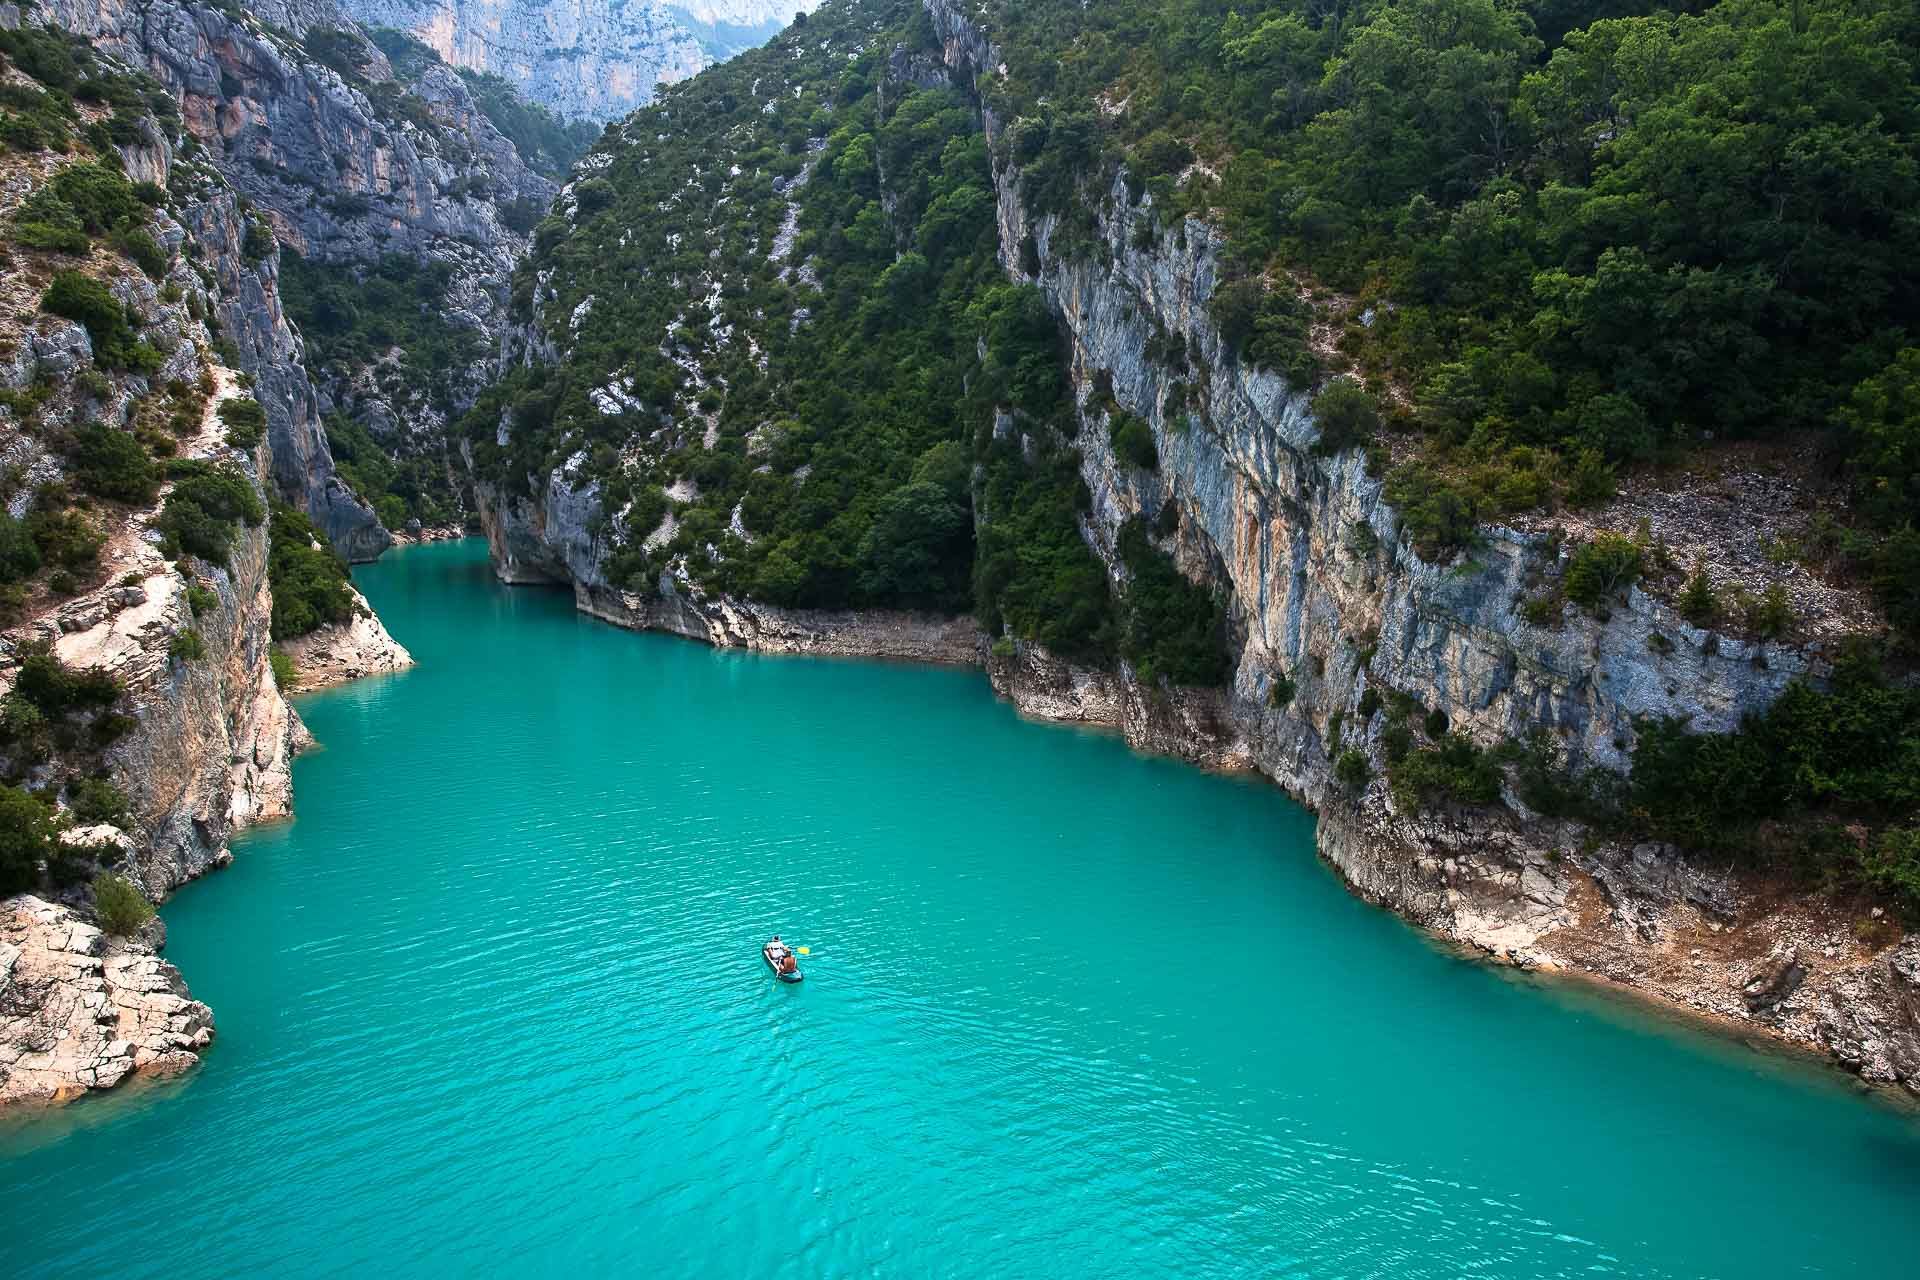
x: 348, y: 651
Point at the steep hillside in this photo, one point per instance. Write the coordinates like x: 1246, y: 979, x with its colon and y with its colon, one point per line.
x: 594, y: 61
x: 142, y: 723
x: 403, y: 209
x: 1532, y: 502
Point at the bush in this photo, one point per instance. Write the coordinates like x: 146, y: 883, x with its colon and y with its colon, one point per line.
x: 26, y: 838
x: 1853, y: 750
x: 95, y: 800
x: 187, y: 645
x: 1369, y: 703
x: 286, y: 675
x: 1280, y: 692
x: 1172, y: 628
x: 202, y: 514
x: 1771, y: 616
x: 66, y: 539
x: 1436, y: 513
x: 88, y: 302
x: 1132, y: 441
x: 1607, y: 565
x: 309, y: 582
x: 1353, y: 770
x: 1347, y: 415
x: 245, y: 420
x: 57, y: 689
x: 19, y: 556
x: 143, y: 250
x: 100, y: 195
x: 113, y: 464
x: 1698, y: 604
x: 121, y: 907
x: 45, y: 221
x: 1456, y: 769
x: 200, y: 599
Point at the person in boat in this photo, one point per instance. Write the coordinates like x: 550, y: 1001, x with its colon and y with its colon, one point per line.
x: 787, y: 963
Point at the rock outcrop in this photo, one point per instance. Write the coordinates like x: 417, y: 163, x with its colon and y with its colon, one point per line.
x: 347, y: 651
x: 81, y: 1011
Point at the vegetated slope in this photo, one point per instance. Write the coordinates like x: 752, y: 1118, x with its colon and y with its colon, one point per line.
x: 1341, y: 290
x: 141, y: 723
x: 1570, y: 241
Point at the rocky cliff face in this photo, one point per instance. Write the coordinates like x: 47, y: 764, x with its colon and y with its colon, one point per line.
x: 596, y: 60
x: 307, y: 121
x: 199, y: 740
x: 203, y: 55
x: 1327, y: 599
x: 1326, y: 593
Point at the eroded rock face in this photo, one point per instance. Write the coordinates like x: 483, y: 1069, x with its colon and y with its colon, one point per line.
x: 596, y: 60
x: 80, y: 1010
x: 339, y: 177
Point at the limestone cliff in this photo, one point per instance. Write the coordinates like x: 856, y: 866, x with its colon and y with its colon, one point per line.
x: 595, y: 60
x: 187, y: 726
x: 306, y: 119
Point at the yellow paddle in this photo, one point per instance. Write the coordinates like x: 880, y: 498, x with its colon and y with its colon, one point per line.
x: 805, y: 951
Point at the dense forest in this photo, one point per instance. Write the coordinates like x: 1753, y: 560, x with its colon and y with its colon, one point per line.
x: 1603, y: 234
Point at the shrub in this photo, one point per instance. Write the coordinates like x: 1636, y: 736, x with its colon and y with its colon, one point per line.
x: 245, y: 420
x: 200, y: 599
x: 187, y: 645
x: 1133, y: 441
x: 1352, y: 769
x: 100, y: 195
x: 45, y: 221
x: 202, y: 514
x: 285, y: 674
x: 113, y: 464
x: 1435, y: 512
x: 143, y: 250
x: 1173, y: 629
x: 26, y: 837
x: 1455, y: 769
x: 1369, y: 703
x: 1280, y: 692
x: 1771, y: 615
x: 1698, y: 604
x: 1602, y: 567
x: 88, y: 302
x: 19, y: 556
x: 56, y: 689
x: 121, y: 907
x: 309, y: 582
x: 1347, y: 415
x: 66, y: 539
x: 97, y: 800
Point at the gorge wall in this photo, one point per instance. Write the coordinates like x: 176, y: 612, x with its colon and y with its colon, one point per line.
x: 198, y: 738
x: 595, y: 61
x: 1328, y: 600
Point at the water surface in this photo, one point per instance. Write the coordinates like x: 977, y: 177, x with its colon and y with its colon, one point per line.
x: 494, y: 1003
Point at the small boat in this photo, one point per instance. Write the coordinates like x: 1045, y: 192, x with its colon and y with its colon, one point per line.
x: 776, y: 953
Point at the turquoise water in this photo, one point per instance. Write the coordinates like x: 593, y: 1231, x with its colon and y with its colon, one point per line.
x: 494, y: 1002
